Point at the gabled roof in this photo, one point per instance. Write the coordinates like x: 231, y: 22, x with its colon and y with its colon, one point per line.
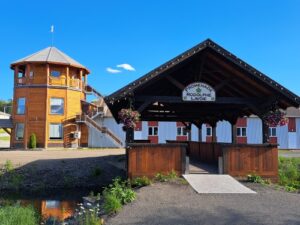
x: 129, y: 89
x: 49, y: 55
x: 241, y: 89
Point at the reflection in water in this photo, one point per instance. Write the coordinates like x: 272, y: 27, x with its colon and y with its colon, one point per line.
x: 52, y: 209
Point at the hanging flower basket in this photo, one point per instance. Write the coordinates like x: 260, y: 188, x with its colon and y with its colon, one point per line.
x: 275, y: 118
x: 129, y: 118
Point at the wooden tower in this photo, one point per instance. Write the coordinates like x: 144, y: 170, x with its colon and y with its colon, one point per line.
x: 49, y: 91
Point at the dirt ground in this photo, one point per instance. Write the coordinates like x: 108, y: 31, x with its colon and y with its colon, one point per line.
x: 23, y: 157
x: 48, y: 170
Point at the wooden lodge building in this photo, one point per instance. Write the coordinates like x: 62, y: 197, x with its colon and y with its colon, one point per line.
x: 49, y: 101
x: 201, y: 88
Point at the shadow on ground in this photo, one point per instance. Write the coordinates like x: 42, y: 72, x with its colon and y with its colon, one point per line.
x: 58, y: 175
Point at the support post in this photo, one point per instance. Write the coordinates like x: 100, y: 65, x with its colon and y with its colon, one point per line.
x: 265, y: 132
x: 129, y: 136
x: 214, y: 133
x: 200, y: 133
x: 233, y: 133
x: 189, y: 131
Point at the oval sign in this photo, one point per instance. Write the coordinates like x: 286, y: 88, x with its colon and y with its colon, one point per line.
x: 199, y: 92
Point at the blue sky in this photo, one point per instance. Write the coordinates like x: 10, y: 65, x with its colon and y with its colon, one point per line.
x: 145, y: 34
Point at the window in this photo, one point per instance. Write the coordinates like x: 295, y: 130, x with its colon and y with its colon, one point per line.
x: 57, y: 106
x: 55, y: 131
x: 21, y: 74
x: 31, y: 74
x: 181, y: 131
x: 272, y: 131
x: 19, y: 131
x: 208, y: 131
x: 55, y: 73
x: 153, y: 131
x: 241, y: 132
x: 21, y: 106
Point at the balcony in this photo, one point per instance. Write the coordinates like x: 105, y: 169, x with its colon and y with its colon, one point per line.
x: 21, y: 81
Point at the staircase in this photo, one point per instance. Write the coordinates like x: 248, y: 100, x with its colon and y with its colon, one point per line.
x: 90, y: 90
x: 102, y: 135
x: 86, y: 119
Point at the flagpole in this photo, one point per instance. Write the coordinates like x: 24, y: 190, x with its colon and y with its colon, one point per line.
x: 52, y: 34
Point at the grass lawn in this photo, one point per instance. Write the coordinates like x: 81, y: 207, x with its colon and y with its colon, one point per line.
x: 6, y: 138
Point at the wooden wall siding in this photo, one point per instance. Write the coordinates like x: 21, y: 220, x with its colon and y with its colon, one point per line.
x: 84, y: 136
x: 292, y: 124
x: 148, y: 159
x: 39, y: 76
x: 241, y: 160
x: 204, y: 152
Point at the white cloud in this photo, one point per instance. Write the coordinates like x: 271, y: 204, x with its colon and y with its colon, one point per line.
x: 111, y: 70
x: 126, y: 66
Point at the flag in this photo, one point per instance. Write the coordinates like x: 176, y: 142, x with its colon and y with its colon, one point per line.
x: 52, y: 29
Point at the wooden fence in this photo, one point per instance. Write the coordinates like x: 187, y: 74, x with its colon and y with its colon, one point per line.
x: 204, y: 152
x: 241, y: 160
x: 149, y: 159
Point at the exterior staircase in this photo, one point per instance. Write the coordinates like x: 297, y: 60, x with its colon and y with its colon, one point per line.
x: 103, y: 135
x: 86, y: 119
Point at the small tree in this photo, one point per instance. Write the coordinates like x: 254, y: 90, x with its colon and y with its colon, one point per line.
x: 32, y: 141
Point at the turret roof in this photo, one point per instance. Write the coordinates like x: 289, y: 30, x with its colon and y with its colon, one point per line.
x: 49, y: 55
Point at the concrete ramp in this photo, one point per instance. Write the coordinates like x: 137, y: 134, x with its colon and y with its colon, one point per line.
x: 218, y: 184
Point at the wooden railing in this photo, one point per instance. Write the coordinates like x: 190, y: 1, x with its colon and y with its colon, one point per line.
x: 57, y: 81
x: 21, y: 81
x: 240, y: 160
x: 149, y: 159
x: 74, y: 83
x: 105, y: 130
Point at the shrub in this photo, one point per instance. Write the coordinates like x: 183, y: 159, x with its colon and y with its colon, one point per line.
x: 166, y: 177
x: 111, y: 204
x: 88, y: 216
x: 140, y: 182
x: 32, y: 141
x: 255, y: 179
x: 121, y: 190
x: 18, y: 215
x: 289, y: 173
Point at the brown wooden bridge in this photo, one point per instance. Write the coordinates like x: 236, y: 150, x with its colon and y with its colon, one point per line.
x: 203, y: 85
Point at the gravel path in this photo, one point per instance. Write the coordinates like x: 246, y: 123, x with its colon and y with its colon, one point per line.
x: 168, y: 204
x: 24, y: 157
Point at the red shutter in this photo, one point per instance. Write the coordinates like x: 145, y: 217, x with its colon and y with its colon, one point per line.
x: 292, y: 125
x: 152, y: 123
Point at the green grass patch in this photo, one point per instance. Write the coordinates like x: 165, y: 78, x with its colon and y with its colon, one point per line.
x: 289, y: 173
x: 140, y: 181
x: 166, y: 177
x: 5, y: 138
x: 18, y: 215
